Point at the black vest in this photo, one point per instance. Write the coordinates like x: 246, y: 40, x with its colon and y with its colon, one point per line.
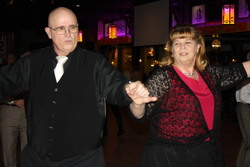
x: 64, y: 118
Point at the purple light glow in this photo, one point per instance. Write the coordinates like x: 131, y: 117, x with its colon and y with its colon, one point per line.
x: 122, y: 29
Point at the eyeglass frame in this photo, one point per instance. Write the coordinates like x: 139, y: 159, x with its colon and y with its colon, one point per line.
x: 65, y: 29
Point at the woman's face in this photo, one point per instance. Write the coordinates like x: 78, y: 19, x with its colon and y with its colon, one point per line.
x: 184, y: 50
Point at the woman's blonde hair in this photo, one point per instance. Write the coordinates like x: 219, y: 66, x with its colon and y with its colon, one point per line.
x: 186, y: 31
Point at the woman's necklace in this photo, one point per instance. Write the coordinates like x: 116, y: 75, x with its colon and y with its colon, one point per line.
x: 189, y: 74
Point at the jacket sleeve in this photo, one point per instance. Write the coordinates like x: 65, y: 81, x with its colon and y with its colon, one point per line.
x: 14, y: 78
x: 158, y: 84
x: 111, y: 83
x: 228, y: 76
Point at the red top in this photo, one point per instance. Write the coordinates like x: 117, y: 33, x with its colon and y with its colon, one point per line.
x: 201, y: 90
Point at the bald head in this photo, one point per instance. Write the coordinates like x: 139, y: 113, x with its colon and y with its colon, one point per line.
x: 60, y: 13
x: 64, y: 20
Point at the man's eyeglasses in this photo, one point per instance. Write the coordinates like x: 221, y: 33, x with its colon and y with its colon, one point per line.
x: 62, y: 30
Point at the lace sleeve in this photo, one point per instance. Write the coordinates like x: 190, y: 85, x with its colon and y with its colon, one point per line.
x: 229, y: 75
x: 157, y: 84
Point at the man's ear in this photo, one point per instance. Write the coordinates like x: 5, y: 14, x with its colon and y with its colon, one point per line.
x: 48, y: 32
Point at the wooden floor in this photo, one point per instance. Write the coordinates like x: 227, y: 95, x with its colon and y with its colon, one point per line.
x: 125, y: 150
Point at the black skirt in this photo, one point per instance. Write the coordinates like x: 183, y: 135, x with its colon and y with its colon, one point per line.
x: 206, y: 154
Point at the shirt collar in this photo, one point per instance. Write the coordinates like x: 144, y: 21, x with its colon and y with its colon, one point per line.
x: 69, y: 55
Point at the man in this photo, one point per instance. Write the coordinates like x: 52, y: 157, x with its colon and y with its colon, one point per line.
x: 66, y: 115
x: 13, y: 124
x: 242, y: 96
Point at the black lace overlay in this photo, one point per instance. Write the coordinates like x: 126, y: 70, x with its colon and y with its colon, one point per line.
x: 176, y: 117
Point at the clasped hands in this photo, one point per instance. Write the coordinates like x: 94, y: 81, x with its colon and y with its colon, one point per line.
x: 140, y: 96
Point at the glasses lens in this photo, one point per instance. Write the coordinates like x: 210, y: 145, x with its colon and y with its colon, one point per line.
x: 73, y: 28
x: 60, y: 30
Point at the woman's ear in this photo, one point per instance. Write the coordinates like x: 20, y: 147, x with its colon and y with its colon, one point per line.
x: 198, y: 48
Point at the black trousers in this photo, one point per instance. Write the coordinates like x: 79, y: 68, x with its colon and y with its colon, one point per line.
x: 93, y: 158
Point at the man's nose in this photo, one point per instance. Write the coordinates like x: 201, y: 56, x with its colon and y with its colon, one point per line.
x: 67, y: 31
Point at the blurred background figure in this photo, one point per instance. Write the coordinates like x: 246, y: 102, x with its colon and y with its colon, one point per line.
x: 242, y: 96
x: 13, y: 124
x: 136, y: 74
x: 115, y: 110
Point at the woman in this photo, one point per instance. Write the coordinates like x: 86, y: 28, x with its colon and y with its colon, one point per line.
x: 185, y: 119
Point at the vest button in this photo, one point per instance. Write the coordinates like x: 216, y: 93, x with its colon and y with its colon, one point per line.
x: 49, y: 154
x: 56, y: 90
